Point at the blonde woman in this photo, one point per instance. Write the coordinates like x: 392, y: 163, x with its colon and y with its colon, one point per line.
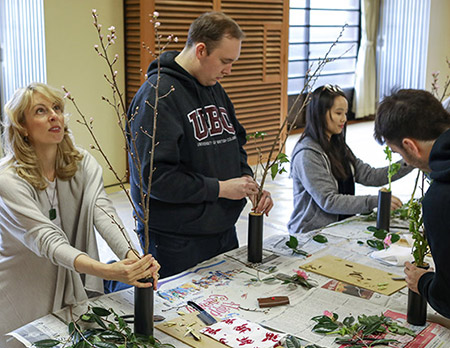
x: 51, y: 198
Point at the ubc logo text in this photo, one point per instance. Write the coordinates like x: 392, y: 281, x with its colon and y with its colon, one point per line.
x: 214, y: 123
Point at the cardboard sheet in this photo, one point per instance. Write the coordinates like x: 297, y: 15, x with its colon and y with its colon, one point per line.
x: 178, y: 331
x: 355, y: 274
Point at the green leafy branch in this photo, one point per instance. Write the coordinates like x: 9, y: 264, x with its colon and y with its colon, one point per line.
x: 415, y: 218
x: 393, y: 167
x: 365, y: 331
x: 109, y: 333
x: 298, y: 278
x: 383, y: 238
x: 292, y: 243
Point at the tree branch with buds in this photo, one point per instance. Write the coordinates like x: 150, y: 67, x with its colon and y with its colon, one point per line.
x: 124, y: 121
x: 276, y: 159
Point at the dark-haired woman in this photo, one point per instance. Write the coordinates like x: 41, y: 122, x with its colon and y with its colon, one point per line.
x: 324, y: 169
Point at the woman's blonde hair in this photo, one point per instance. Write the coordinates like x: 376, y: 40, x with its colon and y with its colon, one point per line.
x: 18, y: 150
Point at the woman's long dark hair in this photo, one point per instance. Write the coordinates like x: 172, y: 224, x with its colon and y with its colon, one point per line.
x: 336, y: 149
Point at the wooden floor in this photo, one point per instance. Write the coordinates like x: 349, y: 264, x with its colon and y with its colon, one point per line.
x: 361, y: 141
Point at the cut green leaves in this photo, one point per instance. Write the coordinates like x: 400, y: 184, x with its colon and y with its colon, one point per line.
x: 320, y: 238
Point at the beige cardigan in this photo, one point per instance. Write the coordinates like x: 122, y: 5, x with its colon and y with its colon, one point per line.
x: 37, y: 273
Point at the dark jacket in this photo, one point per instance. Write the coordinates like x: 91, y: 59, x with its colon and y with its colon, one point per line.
x: 199, y: 142
x: 435, y: 286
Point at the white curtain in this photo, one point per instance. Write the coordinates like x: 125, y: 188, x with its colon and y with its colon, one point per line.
x: 23, y: 44
x: 364, y: 101
x: 403, y: 45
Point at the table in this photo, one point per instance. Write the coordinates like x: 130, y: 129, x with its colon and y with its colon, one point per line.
x: 227, y: 286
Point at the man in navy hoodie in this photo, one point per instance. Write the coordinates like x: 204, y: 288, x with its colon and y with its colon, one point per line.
x: 415, y: 124
x: 201, y: 177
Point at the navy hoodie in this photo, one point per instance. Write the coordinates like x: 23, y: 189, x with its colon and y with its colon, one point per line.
x: 199, y: 142
x: 435, y: 286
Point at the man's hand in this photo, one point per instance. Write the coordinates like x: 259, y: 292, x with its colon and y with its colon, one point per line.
x: 413, y: 275
x: 395, y: 203
x: 238, y: 188
x: 265, y: 203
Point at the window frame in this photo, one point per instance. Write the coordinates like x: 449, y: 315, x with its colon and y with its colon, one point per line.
x: 307, y: 25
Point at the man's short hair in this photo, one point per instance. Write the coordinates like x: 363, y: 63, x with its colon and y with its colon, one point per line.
x: 410, y: 113
x: 210, y: 28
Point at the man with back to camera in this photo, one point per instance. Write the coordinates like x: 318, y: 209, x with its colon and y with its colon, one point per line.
x: 416, y: 125
x: 201, y: 175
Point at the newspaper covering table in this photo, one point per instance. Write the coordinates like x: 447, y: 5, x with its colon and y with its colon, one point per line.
x: 228, y: 286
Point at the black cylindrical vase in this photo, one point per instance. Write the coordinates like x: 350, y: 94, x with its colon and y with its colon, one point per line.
x: 384, y: 210
x: 255, y: 237
x: 416, y: 313
x: 143, y: 309
x: 417, y: 309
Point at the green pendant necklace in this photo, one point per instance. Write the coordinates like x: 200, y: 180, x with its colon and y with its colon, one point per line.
x: 52, y: 211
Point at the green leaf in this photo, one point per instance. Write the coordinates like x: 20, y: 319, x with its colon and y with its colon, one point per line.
x: 282, y: 158
x: 292, y: 243
x: 102, y: 312
x: 395, y: 167
x: 104, y: 345
x: 395, y: 237
x: 110, y: 335
x: 122, y: 323
x: 87, y: 317
x: 400, y: 330
x: 71, y: 328
x: 274, y: 170
x: 380, y: 234
x: 377, y: 244
x: 99, y: 321
x: 82, y: 344
x: 322, y: 319
x: 282, y: 170
x: 360, y: 242
x: 320, y: 238
x: 385, y: 341
x: 371, y: 324
x: 348, y: 321
x: 372, y: 229
x: 300, y: 252
x: 293, y: 342
x: 325, y: 327
x: 46, y: 343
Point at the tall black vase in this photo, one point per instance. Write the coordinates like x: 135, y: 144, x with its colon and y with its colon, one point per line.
x: 417, y: 306
x: 143, y: 309
x: 384, y: 210
x: 255, y: 237
x: 417, y: 309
